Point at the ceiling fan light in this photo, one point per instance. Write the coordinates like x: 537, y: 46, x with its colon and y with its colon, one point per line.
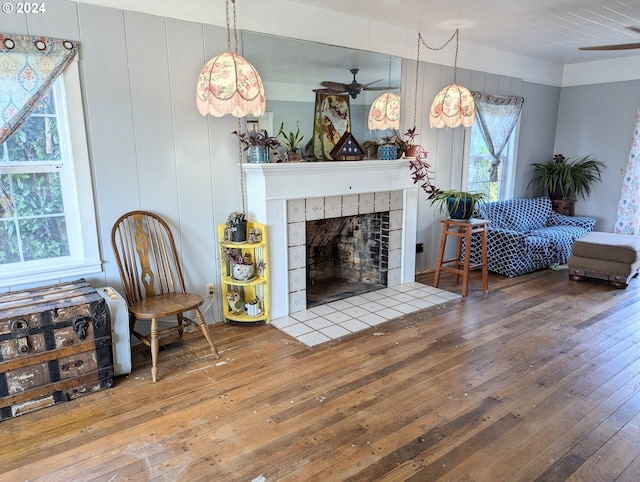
x: 229, y: 84
x: 385, y: 112
x: 452, y: 106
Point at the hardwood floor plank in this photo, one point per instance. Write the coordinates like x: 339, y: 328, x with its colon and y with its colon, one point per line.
x: 632, y: 472
x: 538, y: 378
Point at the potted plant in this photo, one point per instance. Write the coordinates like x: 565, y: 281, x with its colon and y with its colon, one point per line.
x: 258, y: 144
x: 562, y: 178
x: 236, y: 227
x: 410, y: 147
x: 458, y: 204
x: 292, y: 141
x: 242, y: 267
x: 391, y: 147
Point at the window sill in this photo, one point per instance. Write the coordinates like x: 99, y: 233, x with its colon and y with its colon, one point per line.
x: 44, y: 272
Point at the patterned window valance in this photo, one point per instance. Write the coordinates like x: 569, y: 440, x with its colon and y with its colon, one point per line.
x: 28, y: 67
x: 498, y: 116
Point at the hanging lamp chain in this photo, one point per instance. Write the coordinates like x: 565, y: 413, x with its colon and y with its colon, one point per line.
x: 455, y: 35
x: 228, y: 27
x: 235, y: 50
x: 235, y: 27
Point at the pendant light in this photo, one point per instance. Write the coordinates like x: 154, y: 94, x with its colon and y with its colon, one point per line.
x: 228, y: 83
x: 453, y: 105
x: 385, y: 110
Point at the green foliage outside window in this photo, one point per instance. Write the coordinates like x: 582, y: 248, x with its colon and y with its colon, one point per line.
x: 37, y: 229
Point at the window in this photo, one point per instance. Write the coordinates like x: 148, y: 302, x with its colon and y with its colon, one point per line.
x: 478, y: 165
x: 45, y: 167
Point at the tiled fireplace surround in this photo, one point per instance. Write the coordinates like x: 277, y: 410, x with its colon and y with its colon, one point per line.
x: 285, y: 196
x: 301, y: 210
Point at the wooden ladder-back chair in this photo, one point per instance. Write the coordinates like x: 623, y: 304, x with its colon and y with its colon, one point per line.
x: 153, y: 282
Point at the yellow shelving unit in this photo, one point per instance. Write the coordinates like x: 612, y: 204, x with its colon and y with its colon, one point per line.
x: 256, y: 287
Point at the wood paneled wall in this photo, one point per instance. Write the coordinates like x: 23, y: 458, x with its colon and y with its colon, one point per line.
x: 151, y: 149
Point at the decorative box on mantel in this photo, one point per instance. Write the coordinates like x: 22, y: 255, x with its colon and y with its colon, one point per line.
x: 284, y: 195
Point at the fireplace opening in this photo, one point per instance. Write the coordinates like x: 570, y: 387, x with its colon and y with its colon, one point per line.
x: 346, y: 256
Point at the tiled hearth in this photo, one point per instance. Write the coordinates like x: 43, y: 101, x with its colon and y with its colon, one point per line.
x: 337, y: 319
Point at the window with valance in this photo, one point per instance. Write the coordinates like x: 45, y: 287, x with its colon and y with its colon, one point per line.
x: 41, y: 213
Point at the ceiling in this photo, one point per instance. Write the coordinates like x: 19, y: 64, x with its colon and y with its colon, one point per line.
x: 550, y: 30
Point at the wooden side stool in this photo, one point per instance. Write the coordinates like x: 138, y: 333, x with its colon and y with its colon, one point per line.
x: 462, y: 229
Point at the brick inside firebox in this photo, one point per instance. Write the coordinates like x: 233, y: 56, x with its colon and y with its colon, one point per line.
x: 346, y: 256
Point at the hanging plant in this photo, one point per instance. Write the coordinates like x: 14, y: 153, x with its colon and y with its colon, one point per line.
x: 421, y: 173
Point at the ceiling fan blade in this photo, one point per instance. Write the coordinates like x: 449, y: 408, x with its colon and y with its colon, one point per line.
x: 371, y: 83
x: 392, y: 87
x: 635, y: 29
x: 328, y: 91
x: 613, y: 47
x: 335, y: 86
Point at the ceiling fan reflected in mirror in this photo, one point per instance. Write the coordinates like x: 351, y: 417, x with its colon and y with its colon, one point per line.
x: 354, y: 89
x: 616, y: 46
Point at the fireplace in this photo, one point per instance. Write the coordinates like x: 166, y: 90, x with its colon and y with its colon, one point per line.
x: 286, y: 197
x: 346, y: 256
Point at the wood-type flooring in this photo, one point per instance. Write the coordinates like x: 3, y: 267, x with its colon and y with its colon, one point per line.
x: 538, y: 379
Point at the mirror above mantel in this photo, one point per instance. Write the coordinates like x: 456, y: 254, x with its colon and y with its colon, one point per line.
x: 291, y: 69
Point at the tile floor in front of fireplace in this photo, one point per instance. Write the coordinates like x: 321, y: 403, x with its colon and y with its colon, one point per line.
x: 334, y: 320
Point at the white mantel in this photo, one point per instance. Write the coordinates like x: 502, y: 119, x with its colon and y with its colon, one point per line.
x: 269, y: 188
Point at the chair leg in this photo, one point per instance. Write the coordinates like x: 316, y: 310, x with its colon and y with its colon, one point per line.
x: 180, y: 324
x: 154, y: 349
x: 205, y: 332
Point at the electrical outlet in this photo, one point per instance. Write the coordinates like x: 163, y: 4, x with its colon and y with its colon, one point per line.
x: 211, y: 290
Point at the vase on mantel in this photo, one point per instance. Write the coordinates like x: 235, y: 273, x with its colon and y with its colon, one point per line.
x: 258, y: 154
x: 387, y: 152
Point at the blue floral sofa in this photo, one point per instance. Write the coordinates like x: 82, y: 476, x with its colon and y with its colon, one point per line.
x: 527, y: 235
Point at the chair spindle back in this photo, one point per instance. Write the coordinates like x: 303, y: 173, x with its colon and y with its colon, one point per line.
x: 146, y: 255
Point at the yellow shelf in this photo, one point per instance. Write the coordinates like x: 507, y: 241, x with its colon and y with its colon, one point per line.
x: 231, y: 281
x: 250, y: 289
x: 247, y: 244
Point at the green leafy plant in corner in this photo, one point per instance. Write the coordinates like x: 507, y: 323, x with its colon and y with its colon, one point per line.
x: 562, y: 178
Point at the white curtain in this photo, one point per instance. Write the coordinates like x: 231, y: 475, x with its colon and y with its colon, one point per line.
x: 497, y: 116
x: 628, y: 218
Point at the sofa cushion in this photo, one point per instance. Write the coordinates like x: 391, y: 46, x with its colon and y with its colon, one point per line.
x: 561, y: 239
x: 608, y: 246
x: 521, y: 215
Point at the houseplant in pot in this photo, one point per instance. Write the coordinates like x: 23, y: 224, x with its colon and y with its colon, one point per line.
x: 292, y: 141
x: 258, y: 145
x: 236, y: 227
x: 391, y: 147
x: 410, y: 148
x: 562, y: 178
x: 242, y: 267
x: 458, y: 204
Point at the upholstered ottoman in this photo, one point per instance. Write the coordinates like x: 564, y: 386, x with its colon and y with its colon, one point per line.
x: 613, y: 257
